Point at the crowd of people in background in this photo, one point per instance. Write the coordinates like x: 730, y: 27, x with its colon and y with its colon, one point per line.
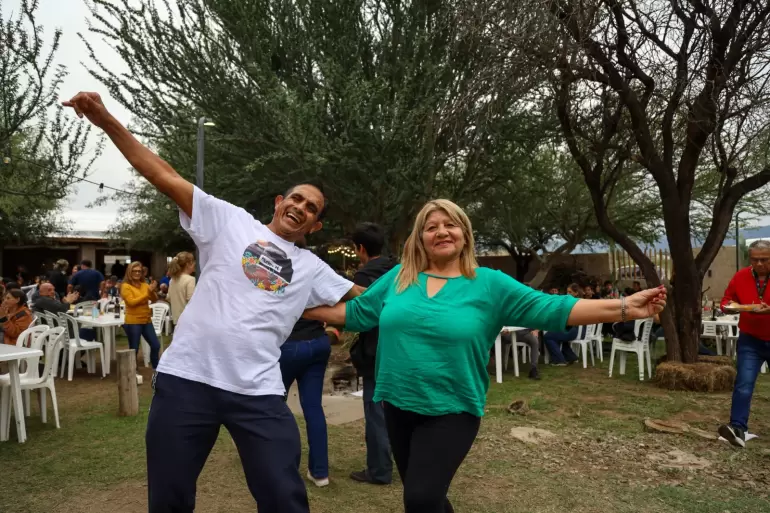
x: 57, y: 289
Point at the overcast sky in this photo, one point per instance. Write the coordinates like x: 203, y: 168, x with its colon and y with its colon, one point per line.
x: 111, y: 168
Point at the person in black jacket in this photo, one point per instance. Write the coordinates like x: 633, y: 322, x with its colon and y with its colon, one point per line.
x: 58, y: 277
x: 47, y: 301
x: 369, y: 240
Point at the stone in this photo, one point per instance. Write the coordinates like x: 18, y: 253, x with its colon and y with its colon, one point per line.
x: 531, y: 435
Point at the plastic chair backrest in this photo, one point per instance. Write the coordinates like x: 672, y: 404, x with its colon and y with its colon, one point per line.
x: 51, y: 319
x: 159, y: 313
x: 34, y: 334
x: 645, y: 326
x: 589, y: 332
x: 86, y: 306
x: 53, y: 339
x: 71, y: 322
x: 709, y: 329
x: 598, y: 328
x: 30, y: 338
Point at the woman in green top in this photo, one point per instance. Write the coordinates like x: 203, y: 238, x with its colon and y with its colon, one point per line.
x: 439, y: 314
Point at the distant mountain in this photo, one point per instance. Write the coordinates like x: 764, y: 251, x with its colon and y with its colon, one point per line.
x: 759, y: 232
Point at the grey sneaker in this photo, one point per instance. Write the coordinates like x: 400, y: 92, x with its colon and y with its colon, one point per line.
x: 732, y: 434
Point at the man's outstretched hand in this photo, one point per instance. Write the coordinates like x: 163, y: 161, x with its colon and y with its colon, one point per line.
x: 89, y: 105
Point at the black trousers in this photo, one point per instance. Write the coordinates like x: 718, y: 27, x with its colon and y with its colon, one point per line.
x: 428, y: 451
x: 185, y: 418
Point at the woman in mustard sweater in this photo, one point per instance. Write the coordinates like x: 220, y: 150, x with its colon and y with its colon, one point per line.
x: 137, y: 296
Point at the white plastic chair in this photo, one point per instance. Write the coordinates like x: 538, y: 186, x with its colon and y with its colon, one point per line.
x: 159, y: 315
x: 29, y: 367
x: 51, y: 341
x: 598, y: 340
x: 75, y: 346
x: 731, y: 341
x: 585, y: 343
x: 514, y: 355
x: 710, y: 331
x: 640, y: 346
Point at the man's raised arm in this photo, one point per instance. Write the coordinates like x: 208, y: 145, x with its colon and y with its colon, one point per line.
x: 156, y: 170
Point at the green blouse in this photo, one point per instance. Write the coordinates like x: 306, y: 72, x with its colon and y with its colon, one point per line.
x: 433, y: 351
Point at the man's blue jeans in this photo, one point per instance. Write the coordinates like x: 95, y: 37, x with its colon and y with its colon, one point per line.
x: 558, y: 345
x: 304, y: 361
x: 752, y: 353
x: 379, y: 466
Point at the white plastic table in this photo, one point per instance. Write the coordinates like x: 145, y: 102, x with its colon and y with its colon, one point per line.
x: 499, y: 352
x: 107, y: 322
x: 13, y: 355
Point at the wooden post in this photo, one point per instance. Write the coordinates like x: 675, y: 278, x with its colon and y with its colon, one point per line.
x: 128, y: 396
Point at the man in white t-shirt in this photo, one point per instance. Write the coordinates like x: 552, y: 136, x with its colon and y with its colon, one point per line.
x: 222, y: 369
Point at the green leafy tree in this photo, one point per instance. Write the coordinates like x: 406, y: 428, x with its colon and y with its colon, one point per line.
x: 42, y: 153
x: 542, y: 209
x: 676, y: 89
x: 388, y: 103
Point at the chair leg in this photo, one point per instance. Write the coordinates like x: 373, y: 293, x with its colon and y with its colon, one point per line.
x: 63, y: 366
x: 145, y: 352
x: 584, y: 351
x: 649, y: 363
x: 719, y: 346
x: 591, y: 350
x: 104, y: 361
x: 27, y: 403
x: 55, y: 404
x: 612, y: 358
x: 505, y: 357
x: 71, y: 364
x: 43, y: 412
x: 623, y: 356
x: 640, y: 357
x: 600, y: 346
x: 515, y: 358
x: 5, y: 412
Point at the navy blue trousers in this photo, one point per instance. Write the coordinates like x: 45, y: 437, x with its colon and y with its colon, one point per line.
x: 185, y: 418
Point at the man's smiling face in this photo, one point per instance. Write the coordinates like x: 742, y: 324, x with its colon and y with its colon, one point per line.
x: 297, y: 213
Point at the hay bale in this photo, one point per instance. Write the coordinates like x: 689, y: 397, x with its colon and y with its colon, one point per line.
x: 717, y: 360
x: 698, y: 377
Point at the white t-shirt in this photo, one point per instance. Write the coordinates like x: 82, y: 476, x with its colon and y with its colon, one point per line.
x: 253, y: 288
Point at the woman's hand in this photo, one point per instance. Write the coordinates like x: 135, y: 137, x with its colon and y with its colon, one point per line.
x: 647, y: 303
x: 154, y: 286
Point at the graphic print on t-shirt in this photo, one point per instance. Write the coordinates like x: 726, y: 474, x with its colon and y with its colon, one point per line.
x: 267, y: 266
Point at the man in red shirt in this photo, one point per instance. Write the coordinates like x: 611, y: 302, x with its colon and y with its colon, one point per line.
x: 749, y: 287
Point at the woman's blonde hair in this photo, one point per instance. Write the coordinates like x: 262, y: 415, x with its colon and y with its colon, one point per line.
x: 127, y: 278
x: 414, y: 259
x: 179, y: 263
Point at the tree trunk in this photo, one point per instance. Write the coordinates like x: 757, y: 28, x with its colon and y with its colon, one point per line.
x: 522, y: 265
x: 546, y: 263
x: 687, y: 306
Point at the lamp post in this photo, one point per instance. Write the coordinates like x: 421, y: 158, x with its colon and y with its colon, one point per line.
x: 202, y: 123
x: 737, y: 243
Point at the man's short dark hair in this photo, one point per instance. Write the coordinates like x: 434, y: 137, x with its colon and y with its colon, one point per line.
x: 370, y: 236
x: 608, y: 282
x: 114, y: 278
x: 317, y: 185
x: 637, y: 283
x: 86, y: 263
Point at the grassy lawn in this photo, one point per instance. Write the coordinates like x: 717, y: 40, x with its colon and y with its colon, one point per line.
x: 600, y: 459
